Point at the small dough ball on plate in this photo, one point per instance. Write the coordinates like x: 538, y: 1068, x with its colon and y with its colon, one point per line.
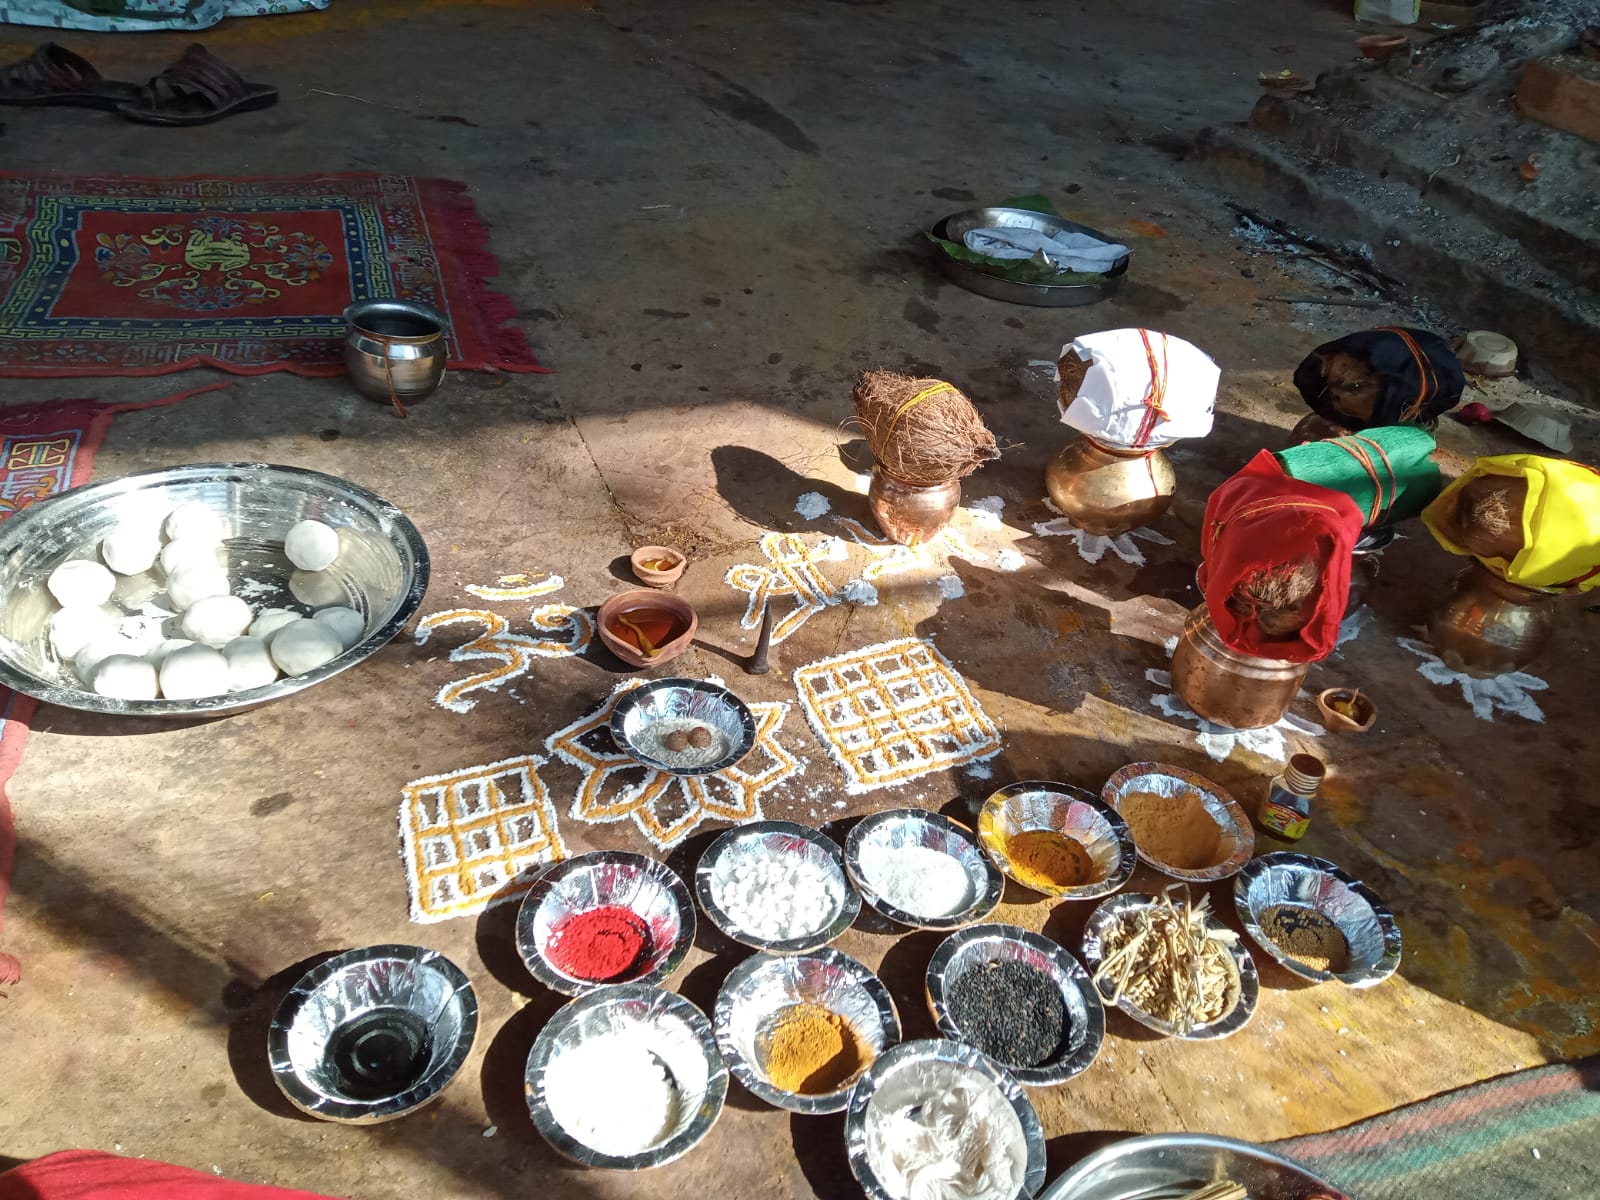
x: 81, y: 584
x: 189, y: 552
x: 304, y: 646
x: 193, y: 672
x: 269, y: 620
x: 194, y: 584
x: 158, y: 655
x: 347, y: 624
x: 71, y: 629
x: 125, y: 677
x: 249, y: 664
x: 196, y: 520
x: 97, y: 650
x: 216, y: 620
x: 311, y: 545
x: 130, y: 549
x: 143, y: 634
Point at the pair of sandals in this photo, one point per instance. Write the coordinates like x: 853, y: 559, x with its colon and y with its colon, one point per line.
x: 197, y: 89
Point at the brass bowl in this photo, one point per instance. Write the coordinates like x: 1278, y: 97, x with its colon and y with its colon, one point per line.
x: 909, y: 513
x: 1108, y: 490
x: 1489, y: 626
x: 1227, y: 688
x: 623, y: 602
x: 395, y: 350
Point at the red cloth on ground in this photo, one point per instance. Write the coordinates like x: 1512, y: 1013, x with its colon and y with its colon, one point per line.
x: 93, y: 1175
x: 1262, y: 518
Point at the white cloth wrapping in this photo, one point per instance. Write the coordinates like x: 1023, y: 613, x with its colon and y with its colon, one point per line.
x: 1066, y: 251
x: 1111, y: 403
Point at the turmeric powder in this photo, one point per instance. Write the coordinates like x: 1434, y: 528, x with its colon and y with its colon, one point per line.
x: 812, y: 1051
x: 1048, y: 861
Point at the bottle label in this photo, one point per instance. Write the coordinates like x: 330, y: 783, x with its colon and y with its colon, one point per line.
x: 1285, y: 821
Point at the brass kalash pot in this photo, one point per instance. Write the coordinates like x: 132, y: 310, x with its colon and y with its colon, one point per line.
x: 909, y: 513
x: 1488, y: 625
x: 1236, y: 691
x: 1109, y: 489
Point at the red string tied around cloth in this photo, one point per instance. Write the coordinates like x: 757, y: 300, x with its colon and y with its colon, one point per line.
x: 1155, y: 396
x: 1257, y: 522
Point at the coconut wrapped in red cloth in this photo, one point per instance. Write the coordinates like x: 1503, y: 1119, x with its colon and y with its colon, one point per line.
x: 93, y: 1175
x: 1276, y: 569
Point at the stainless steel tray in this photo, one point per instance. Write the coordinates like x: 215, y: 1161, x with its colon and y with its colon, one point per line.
x: 1041, y: 295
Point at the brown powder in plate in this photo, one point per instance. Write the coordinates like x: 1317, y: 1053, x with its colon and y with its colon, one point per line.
x: 1175, y: 830
x: 1306, y: 936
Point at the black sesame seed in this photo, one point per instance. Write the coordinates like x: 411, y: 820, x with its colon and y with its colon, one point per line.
x: 1011, y: 1012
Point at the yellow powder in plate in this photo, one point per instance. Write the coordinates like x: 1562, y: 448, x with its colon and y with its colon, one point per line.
x: 1045, y: 859
x: 1175, y: 830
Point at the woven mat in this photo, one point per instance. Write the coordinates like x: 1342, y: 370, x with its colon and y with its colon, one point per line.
x: 1532, y: 1133
x: 127, y: 276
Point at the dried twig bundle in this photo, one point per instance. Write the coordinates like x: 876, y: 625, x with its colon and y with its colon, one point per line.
x: 1172, y: 963
x: 922, y: 431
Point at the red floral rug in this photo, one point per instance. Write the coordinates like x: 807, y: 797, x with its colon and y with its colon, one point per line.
x: 44, y: 450
x: 127, y: 276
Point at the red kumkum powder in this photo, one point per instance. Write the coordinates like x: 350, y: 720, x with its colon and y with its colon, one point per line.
x: 603, y: 945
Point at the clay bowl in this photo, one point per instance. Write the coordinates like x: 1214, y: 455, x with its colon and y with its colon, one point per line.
x: 1380, y: 46
x: 1284, y: 83
x: 651, y: 577
x: 624, y: 603
x: 1336, y: 722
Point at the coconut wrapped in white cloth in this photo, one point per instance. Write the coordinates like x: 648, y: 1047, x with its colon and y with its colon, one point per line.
x: 1136, y: 388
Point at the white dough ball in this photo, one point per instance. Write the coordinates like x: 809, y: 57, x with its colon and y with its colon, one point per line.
x: 304, y: 646
x: 135, y: 591
x: 196, y: 520
x: 216, y: 620
x: 130, y: 549
x: 81, y: 584
x: 71, y: 629
x: 184, y: 553
x: 158, y: 655
x: 142, y: 634
x: 249, y: 664
x: 347, y: 624
x: 269, y: 620
x: 194, y: 584
x: 311, y: 545
x: 97, y: 650
x: 317, y: 589
x: 126, y: 678
x: 192, y: 672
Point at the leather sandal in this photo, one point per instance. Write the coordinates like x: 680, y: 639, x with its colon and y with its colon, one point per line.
x: 53, y: 74
x: 197, y: 89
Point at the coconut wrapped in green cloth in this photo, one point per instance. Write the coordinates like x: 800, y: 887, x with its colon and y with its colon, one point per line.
x: 1386, y: 470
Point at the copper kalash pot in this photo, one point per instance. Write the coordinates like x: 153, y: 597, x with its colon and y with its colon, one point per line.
x: 1109, y: 490
x: 909, y: 513
x: 1236, y: 691
x: 1488, y: 626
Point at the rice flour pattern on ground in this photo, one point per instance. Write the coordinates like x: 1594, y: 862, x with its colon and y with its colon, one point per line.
x: 517, y: 587
x: 894, y: 712
x: 1506, y: 693
x: 889, y: 557
x: 474, y: 837
x: 667, y: 808
x: 1218, y: 740
x: 792, y: 572
x: 1092, y: 547
x: 569, y: 630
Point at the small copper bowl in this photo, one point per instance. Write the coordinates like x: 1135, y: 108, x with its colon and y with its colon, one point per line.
x: 624, y: 603
x: 1337, y: 722
x: 654, y: 577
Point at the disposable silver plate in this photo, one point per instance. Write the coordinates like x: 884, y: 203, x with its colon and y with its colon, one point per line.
x: 874, y: 838
x: 776, y: 839
x: 648, y: 888
x: 1236, y: 1018
x: 1238, y: 838
x: 759, y: 989
x: 372, y: 1034
x: 381, y: 571
x: 1303, y: 881
x: 1170, y: 1166
x: 679, y: 1037
x: 914, y: 1072
x: 971, y: 948
x: 730, y: 719
x: 1072, y: 812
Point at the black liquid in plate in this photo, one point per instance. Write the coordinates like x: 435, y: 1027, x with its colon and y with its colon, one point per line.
x: 380, y: 1054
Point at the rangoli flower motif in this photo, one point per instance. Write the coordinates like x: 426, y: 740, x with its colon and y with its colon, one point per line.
x: 1092, y: 547
x: 1218, y: 741
x: 1499, y: 693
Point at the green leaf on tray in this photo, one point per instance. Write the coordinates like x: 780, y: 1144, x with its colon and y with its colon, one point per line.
x: 1025, y: 270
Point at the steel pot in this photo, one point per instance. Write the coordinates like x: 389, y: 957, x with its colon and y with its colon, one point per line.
x: 1237, y: 691
x: 1488, y: 626
x: 395, y: 350
x: 1108, y: 490
x: 908, y: 513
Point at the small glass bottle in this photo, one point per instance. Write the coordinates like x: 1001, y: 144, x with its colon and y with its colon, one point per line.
x: 1286, y: 811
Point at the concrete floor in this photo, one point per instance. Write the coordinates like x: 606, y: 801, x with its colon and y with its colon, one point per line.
x: 707, y: 215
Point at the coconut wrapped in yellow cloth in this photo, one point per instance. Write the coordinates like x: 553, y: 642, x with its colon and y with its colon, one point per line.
x: 1532, y: 520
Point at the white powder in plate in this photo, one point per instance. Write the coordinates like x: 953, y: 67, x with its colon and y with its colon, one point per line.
x: 951, y: 587
x: 919, y: 880
x: 812, y: 505
x: 773, y: 894
x: 652, y: 740
x: 1009, y: 560
x: 954, y: 1138
x: 612, y: 1092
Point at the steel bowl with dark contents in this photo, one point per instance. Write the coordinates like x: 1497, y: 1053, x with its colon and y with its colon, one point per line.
x: 718, y: 728
x: 1035, y: 806
x: 1285, y: 888
x: 749, y: 845
x: 372, y: 1034
x: 980, y: 946
x: 758, y: 992
x: 381, y: 570
x: 657, y: 899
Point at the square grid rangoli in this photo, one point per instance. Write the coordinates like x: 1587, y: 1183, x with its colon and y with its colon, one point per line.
x: 472, y: 837
x: 894, y: 712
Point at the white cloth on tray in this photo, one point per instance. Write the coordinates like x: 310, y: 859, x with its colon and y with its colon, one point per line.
x: 1111, y: 402
x: 1066, y: 251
